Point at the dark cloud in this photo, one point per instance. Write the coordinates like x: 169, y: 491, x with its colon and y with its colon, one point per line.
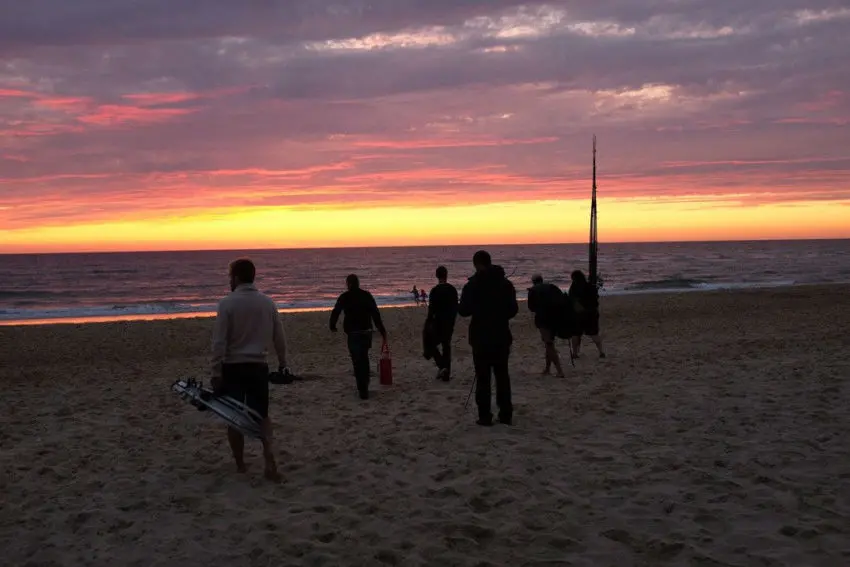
x: 125, y: 22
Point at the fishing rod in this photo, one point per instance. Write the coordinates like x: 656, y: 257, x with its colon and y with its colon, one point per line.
x: 593, y: 275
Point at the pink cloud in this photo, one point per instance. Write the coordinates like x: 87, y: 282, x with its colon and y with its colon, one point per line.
x: 148, y: 99
x: 450, y: 143
x: 63, y: 103
x: 15, y: 93
x: 115, y: 114
x: 17, y: 158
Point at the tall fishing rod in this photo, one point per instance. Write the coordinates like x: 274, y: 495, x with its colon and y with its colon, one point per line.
x: 593, y: 276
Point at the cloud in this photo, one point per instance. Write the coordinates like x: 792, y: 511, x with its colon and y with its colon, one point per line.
x: 125, y: 108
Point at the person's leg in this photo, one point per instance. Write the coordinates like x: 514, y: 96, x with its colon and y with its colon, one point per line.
x: 233, y: 381
x: 237, y: 447
x: 358, y: 346
x: 447, y: 356
x: 500, y: 360
x: 597, y: 340
x: 552, y: 356
x: 257, y: 398
x: 482, y: 386
x: 593, y: 333
x: 439, y: 357
x: 271, y: 472
x: 544, y: 336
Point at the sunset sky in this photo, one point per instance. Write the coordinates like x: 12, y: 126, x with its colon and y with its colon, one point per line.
x: 165, y: 124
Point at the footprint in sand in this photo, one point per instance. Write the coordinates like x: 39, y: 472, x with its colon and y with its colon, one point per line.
x: 325, y: 538
x: 445, y: 492
x: 478, y: 505
x: 387, y: 557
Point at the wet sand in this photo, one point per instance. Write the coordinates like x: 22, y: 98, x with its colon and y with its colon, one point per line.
x: 717, y: 432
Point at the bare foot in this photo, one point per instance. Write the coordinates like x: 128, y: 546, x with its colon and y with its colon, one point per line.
x: 545, y: 372
x: 560, y: 375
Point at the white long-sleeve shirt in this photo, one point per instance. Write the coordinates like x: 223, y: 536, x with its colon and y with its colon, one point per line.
x: 247, y: 322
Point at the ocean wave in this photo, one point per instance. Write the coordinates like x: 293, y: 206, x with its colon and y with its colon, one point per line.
x: 111, y: 271
x: 695, y: 285
x: 667, y: 284
x: 162, y: 308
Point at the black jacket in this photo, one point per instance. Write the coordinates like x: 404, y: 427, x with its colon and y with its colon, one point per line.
x: 360, y: 310
x: 585, y: 298
x: 545, y: 301
x: 490, y: 299
x: 442, y: 309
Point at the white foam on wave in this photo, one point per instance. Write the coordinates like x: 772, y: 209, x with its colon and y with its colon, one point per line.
x: 701, y: 286
x: 159, y: 310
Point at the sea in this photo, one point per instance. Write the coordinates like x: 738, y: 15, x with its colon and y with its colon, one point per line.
x: 83, y: 287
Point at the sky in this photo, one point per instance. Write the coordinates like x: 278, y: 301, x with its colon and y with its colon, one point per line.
x: 193, y: 124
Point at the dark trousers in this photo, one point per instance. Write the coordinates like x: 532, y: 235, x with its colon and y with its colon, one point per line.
x: 358, y: 347
x: 247, y: 382
x: 492, y: 359
x: 444, y: 358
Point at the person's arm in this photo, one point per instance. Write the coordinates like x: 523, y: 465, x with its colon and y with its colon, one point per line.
x: 452, y: 301
x: 465, y: 306
x: 376, y: 316
x: 532, y: 300
x: 335, y: 313
x: 511, y: 302
x: 279, y: 338
x: 219, y: 341
x: 432, y: 310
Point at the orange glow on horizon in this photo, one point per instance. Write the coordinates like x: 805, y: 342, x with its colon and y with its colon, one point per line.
x: 525, y: 222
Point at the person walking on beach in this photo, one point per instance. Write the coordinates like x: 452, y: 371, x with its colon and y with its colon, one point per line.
x: 585, y: 300
x: 545, y: 301
x: 246, y: 322
x: 415, y: 292
x: 489, y: 298
x: 360, y: 310
x: 440, y: 323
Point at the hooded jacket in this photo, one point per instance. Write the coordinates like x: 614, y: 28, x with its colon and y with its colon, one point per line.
x: 490, y: 299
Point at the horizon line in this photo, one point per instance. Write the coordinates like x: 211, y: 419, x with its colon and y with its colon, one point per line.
x: 355, y: 247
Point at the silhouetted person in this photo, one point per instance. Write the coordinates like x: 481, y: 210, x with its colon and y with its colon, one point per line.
x: 247, y: 321
x: 545, y: 301
x: 585, y: 300
x: 490, y: 299
x: 440, y: 323
x: 360, y: 310
x: 415, y: 292
x: 423, y: 297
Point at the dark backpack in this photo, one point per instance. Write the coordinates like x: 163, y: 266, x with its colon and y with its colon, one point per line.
x: 567, y: 322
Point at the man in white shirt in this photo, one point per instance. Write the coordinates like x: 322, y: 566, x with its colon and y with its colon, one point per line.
x: 247, y: 321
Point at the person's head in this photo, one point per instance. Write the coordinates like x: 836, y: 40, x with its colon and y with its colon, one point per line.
x: 242, y: 271
x: 536, y: 279
x: 578, y: 277
x: 442, y: 274
x: 352, y: 281
x: 481, y: 260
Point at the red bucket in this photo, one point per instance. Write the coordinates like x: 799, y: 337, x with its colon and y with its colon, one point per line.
x: 385, y: 366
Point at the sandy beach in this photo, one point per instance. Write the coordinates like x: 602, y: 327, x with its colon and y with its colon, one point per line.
x: 716, y: 433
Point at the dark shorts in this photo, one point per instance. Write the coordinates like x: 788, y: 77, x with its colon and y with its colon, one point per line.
x: 248, y: 382
x: 548, y: 335
x: 589, y: 323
